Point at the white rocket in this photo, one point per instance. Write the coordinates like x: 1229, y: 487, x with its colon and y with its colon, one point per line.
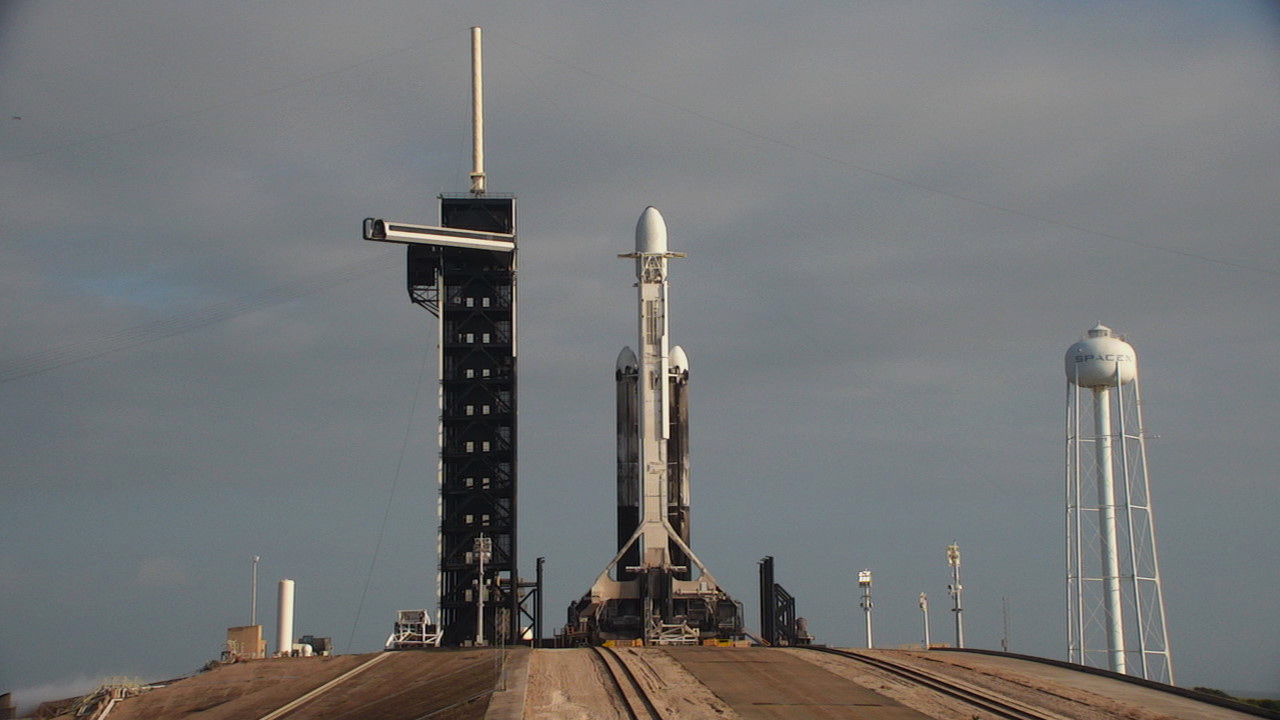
x: 657, y: 538
x: 655, y: 593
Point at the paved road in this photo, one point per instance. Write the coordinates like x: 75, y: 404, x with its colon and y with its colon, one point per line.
x: 763, y: 684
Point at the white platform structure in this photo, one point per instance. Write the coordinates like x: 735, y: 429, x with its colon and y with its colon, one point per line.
x: 1115, y: 606
x: 414, y: 631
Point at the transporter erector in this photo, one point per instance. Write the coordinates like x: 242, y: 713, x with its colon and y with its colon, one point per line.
x: 650, y: 591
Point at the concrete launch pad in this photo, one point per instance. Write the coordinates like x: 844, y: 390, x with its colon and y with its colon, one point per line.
x: 690, y: 683
x: 763, y: 684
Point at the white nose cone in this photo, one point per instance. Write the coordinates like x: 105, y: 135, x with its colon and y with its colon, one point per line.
x: 679, y: 361
x: 651, y: 232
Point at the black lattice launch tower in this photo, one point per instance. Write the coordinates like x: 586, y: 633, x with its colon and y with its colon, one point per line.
x: 464, y: 272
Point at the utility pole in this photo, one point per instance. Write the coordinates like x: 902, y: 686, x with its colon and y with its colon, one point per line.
x: 955, y: 589
x: 864, y: 582
x: 1004, y: 607
x: 253, y: 603
x: 924, y: 610
x: 537, y: 606
x: 483, y: 550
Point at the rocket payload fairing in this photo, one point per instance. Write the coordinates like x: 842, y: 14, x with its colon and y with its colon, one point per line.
x: 652, y: 595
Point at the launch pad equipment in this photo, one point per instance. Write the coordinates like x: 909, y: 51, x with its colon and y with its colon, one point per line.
x: 414, y: 631
x: 649, y: 591
x: 778, y: 622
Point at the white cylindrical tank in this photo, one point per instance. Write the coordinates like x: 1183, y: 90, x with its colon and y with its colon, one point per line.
x: 284, y: 619
x: 1101, y: 360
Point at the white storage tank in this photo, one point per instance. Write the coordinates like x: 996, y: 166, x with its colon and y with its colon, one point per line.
x: 1101, y: 360
x: 284, y: 619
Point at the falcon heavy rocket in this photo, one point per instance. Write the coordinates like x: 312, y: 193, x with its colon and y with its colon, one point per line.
x: 649, y: 591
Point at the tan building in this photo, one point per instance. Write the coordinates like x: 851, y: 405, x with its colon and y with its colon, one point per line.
x: 245, y: 643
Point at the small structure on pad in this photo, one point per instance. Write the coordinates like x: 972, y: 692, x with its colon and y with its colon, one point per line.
x: 414, y: 631
x: 778, y: 622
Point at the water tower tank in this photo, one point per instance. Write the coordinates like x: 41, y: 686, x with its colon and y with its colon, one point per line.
x: 1101, y: 360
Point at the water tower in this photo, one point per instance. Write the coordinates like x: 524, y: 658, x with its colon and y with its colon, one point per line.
x: 1115, y: 607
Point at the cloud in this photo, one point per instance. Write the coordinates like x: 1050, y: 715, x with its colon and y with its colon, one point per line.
x: 10, y: 575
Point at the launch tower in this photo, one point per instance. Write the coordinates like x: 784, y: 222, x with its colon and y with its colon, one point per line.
x: 464, y: 272
x: 649, y: 590
x: 1115, y: 607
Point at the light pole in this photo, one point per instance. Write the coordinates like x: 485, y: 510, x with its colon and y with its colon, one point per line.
x: 864, y: 582
x: 483, y: 550
x: 1004, y: 607
x: 924, y: 610
x: 955, y: 590
x: 253, y: 602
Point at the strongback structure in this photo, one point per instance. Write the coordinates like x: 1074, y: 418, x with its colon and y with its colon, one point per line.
x: 464, y: 272
x: 649, y: 592
x: 1115, y: 607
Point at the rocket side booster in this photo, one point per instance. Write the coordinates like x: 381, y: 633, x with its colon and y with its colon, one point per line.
x: 625, y: 378
x: 677, y: 451
x: 652, y: 594
x: 678, y: 510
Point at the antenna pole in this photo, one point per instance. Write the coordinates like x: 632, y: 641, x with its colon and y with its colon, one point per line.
x: 477, y: 115
x: 253, y: 603
x: 924, y: 609
x: 955, y: 589
x: 864, y: 581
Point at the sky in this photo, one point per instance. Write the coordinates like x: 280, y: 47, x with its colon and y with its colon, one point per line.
x: 897, y: 216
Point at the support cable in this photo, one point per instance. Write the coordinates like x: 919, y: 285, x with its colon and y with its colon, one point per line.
x: 395, y: 483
